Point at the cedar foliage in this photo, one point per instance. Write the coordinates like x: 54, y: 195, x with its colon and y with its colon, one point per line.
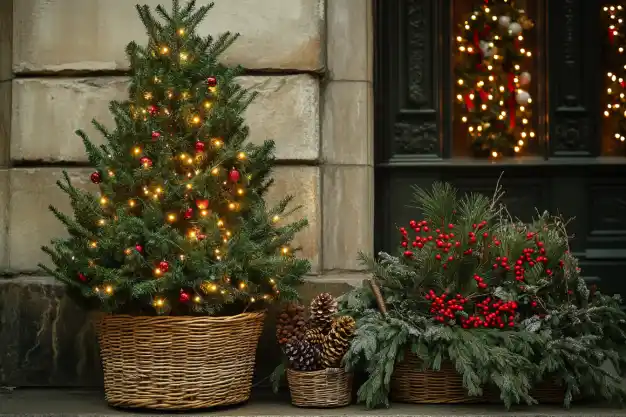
x: 501, y: 299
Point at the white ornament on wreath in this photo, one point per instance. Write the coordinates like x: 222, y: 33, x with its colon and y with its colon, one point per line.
x: 515, y: 28
x: 522, y: 97
x: 524, y: 79
x: 487, y: 48
x: 504, y: 21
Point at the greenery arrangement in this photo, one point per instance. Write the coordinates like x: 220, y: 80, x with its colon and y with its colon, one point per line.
x: 500, y: 299
x: 179, y: 226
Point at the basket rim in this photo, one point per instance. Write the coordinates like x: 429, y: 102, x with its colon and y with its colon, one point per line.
x: 189, y: 319
x: 325, y: 371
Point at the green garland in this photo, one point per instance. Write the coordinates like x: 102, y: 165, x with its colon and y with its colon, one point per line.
x: 501, y: 300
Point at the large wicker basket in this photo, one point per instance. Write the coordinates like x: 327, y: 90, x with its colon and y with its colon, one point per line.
x: 178, y: 363
x: 410, y: 384
x: 328, y: 388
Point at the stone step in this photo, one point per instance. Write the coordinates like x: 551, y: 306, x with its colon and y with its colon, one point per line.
x: 70, y: 403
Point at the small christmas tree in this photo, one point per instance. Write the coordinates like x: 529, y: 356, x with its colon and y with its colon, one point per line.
x: 180, y: 225
x: 492, y: 78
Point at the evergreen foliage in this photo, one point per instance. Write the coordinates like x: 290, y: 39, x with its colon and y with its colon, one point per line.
x: 180, y: 225
x: 501, y: 299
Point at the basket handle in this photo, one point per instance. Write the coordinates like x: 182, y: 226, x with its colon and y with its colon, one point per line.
x: 379, y: 296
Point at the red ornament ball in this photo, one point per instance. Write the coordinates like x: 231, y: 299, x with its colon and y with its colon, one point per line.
x: 139, y: 248
x: 184, y: 297
x: 153, y: 110
x: 189, y: 213
x: 82, y: 277
x: 145, y: 161
x: 156, y: 135
x: 234, y: 175
x: 211, y: 81
x: 96, y: 178
x: 200, y: 146
x: 164, y: 266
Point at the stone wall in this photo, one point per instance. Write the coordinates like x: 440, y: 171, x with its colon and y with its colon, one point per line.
x: 62, y: 61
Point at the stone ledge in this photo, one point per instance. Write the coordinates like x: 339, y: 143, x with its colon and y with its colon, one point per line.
x: 92, y: 404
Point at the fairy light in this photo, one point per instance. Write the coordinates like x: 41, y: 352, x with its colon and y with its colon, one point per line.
x: 136, y: 150
x: 276, y: 219
x: 195, y: 119
x: 159, y: 302
x: 217, y: 143
x: 108, y: 289
x: 164, y: 50
x: 102, y: 222
x: 171, y: 217
x: 241, y: 156
x: 197, y: 299
x: 615, y: 84
x: 220, y: 223
x: 284, y: 250
x: 181, y: 31
x: 492, y: 88
x: 104, y: 201
x: 93, y: 244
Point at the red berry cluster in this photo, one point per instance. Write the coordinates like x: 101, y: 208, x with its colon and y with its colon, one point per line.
x: 480, y: 282
x: 445, y: 310
x: 492, y: 313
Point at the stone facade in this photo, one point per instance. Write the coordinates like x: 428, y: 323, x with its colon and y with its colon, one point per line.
x: 62, y: 61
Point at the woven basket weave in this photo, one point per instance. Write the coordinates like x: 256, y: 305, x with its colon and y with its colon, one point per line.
x: 548, y: 391
x: 410, y: 384
x: 328, y: 388
x: 178, y: 363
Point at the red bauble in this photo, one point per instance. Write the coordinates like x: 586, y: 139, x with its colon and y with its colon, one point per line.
x: 145, y: 161
x: 164, y: 266
x: 139, y: 248
x: 153, y: 110
x: 234, y: 175
x: 184, y: 297
x: 82, y: 277
x: 156, y: 135
x: 211, y: 81
x: 200, y: 146
x: 96, y: 178
x: 202, y: 204
x: 189, y: 213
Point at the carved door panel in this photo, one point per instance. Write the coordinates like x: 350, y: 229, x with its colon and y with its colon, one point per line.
x: 567, y: 172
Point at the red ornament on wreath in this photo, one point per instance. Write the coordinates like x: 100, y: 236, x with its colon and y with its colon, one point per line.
x: 234, y: 175
x: 164, y: 266
x: 153, y: 110
x: 96, y: 178
x: 188, y: 213
x: 138, y: 248
x: 146, y: 162
x: 200, y: 146
x: 156, y: 135
x: 82, y: 277
x: 184, y: 297
x: 211, y: 81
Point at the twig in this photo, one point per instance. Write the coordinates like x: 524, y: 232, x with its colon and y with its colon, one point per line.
x: 379, y: 297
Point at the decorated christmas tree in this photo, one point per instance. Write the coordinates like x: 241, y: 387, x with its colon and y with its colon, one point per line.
x: 615, y: 98
x: 499, y: 301
x: 493, y: 78
x: 179, y: 225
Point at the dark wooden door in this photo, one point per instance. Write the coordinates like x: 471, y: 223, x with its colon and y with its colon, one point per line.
x: 568, y: 171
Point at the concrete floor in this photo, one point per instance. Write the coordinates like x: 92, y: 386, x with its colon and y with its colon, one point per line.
x: 57, y: 403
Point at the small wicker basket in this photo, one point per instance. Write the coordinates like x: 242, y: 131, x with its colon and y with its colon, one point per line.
x: 410, y: 384
x: 178, y: 363
x: 328, y: 388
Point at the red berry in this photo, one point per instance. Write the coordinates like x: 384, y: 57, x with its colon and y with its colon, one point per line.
x: 426, y: 229
x: 438, y: 257
x: 450, y: 226
x: 200, y: 146
x: 408, y: 253
x: 533, y: 304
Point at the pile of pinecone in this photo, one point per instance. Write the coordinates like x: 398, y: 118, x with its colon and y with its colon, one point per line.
x: 318, y: 342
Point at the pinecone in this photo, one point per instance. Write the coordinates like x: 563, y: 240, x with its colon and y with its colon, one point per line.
x: 315, y: 336
x: 302, y: 355
x: 291, y: 323
x: 323, y: 308
x: 337, y: 342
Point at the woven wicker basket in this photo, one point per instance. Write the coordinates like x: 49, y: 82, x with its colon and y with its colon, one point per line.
x: 178, y: 363
x: 410, y: 384
x: 328, y: 388
x: 549, y: 391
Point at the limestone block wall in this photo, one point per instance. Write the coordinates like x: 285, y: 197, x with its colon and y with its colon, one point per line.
x: 62, y: 61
